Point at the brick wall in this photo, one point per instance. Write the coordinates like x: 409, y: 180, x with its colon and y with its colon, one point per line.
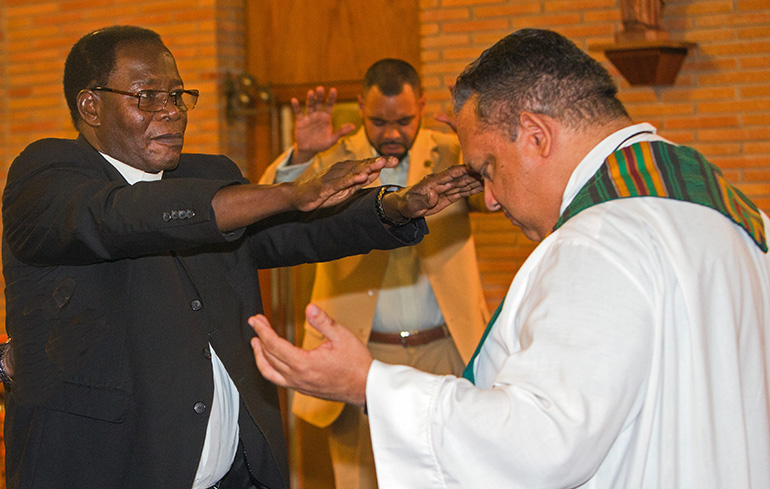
x: 207, y: 38
x: 720, y: 103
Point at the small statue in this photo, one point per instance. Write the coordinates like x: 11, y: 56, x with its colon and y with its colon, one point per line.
x: 641, y: 20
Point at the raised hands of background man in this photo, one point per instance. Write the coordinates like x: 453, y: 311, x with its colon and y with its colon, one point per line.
x: 313, y: 131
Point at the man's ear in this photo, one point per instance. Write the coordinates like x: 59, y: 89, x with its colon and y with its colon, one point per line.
x: 538, y: 132
x: 361, y: 105
x: 88, y: 107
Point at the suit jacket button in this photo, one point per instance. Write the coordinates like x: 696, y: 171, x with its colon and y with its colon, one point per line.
x: 199, y: 407
x: 196, y: 305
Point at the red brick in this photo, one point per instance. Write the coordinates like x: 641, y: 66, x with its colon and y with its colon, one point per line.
x: 579, y: 5
x: 735, y: 48
x: 454, y: 3
x: 728, y: 20
x: 518, y: 8
x: 465, y: 53
x: 757, y: 147
x: 752, y: 5
x: 710, y: 93
x: 737, y: 134
x: 474, y: 26
x: 741, y: 162
x: 755, y: 62
x: 757, y: 175
x: 762, y: 119
x: 745, y: 106
x: 699, y: 121
x: 443, y: 41
x: 445, y: 14
x: 719, y: 149
x: 547, y: 21
x: 602, y: 15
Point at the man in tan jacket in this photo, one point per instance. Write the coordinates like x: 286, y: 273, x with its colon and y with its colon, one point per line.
x: 421, y: 306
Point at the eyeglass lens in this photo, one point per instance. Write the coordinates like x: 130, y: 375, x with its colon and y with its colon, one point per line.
x: 153, y: 101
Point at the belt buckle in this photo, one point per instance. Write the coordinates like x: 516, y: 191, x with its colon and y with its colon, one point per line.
x: 405, y: 335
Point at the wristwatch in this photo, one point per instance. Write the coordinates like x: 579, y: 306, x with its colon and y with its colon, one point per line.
x: 381, y: 212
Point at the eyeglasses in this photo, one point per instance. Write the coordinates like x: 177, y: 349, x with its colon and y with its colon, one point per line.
x: 156, y: 100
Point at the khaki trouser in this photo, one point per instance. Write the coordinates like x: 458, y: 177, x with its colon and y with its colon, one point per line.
x: 350, y: 443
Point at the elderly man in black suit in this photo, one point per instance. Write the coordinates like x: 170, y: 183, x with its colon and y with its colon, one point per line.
x: 131, y: 269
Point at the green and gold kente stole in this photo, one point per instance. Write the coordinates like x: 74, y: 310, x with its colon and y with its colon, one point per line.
x: 658, y: 169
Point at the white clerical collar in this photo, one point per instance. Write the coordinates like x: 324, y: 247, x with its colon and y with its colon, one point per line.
x: 590, y: 164
x: 131, y: 174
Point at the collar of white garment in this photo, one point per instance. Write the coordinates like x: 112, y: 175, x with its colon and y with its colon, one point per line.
x: 131, y: 174
x: 594, y: 159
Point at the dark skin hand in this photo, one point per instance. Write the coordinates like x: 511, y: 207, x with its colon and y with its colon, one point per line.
x: 237, y: 206
x: 313, y: 131
x: 433, y: 193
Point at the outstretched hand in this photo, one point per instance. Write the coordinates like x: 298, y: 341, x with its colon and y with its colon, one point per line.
x: 336, y: 370
x: 338, y: 182
x: 433, y: 193
x: 313, y: 131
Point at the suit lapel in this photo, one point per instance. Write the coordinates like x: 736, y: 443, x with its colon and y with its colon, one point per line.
x: 421, y: 157
x: 112, y: 173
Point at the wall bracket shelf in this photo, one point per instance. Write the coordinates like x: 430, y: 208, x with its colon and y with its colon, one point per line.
x: 647, y: 62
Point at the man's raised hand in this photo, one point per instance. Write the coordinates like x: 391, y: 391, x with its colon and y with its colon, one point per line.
x: 313, y: 131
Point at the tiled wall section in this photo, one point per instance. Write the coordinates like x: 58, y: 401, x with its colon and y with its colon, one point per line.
x: 720, y: 103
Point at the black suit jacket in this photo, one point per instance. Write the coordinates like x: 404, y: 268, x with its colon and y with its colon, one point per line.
x: 113, y: 294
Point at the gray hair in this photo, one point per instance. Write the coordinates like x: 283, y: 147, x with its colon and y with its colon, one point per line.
x: 538, y: 71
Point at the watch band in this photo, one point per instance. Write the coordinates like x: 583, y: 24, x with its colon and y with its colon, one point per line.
x: 4, y: 377
x: 381, y: 212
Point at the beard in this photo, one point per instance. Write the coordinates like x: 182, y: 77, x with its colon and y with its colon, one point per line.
x: 396, y: 149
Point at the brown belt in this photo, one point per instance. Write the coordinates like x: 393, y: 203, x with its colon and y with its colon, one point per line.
x: 410, y: 338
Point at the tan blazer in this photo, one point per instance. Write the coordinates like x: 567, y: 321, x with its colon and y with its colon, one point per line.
x: 347, y: 289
